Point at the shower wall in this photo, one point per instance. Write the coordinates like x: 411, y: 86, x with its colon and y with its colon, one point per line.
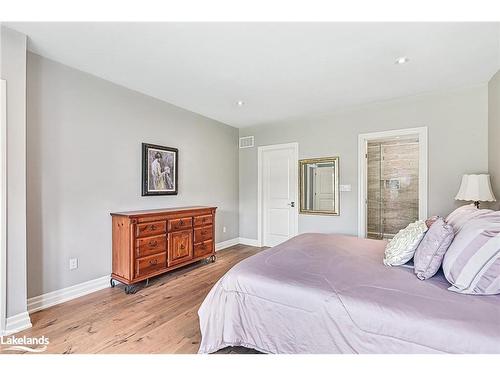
x: 392, y: 186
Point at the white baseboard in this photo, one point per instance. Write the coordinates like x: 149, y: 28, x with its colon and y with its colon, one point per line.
x: 248, y: 241
x: 236, y: 241
x: 62, y: 295
x: 226, y: 244
x: 17, y: 323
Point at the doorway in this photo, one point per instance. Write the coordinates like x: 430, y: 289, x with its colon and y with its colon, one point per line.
x: 277, y: 193
x: 3, y: 206
x: 393, y: 181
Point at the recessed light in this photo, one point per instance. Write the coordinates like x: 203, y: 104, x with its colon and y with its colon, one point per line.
x: 240, y: 103
x: 402, y: 60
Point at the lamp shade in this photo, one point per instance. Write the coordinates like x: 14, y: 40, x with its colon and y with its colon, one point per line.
x: 475, y: 187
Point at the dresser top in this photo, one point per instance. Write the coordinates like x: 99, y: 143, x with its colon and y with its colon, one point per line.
x: 162, y: 210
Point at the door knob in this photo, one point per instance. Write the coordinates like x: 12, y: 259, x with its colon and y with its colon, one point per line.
x: 291, y: 204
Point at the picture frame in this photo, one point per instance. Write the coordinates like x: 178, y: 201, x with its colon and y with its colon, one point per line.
x: 159, y: 170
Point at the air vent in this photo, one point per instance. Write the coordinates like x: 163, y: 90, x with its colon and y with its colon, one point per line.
x: 247, y: 142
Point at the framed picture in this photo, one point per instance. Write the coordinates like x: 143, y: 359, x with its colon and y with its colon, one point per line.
x: 159, y: 170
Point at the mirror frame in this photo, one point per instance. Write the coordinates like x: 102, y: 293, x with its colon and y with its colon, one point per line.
x: 336, y: 195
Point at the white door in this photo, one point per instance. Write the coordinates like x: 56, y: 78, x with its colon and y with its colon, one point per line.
x: 3, y: 169
x: 323, y: 181
x: 279, y: 193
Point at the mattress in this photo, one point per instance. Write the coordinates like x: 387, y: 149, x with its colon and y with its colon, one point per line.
x: 324, y: 293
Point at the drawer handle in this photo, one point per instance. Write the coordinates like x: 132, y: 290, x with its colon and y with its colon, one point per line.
x: 203, y: 246
x: 153, y: 243
x: 203, y: 232
x: 181, y: 223
x: 153, y: 262
x: 153, y: 227
x: 182, y: 247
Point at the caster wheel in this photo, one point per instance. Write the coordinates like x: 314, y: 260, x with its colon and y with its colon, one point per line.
x: 130, y: 289
x: 112, y: 283
x: 213, y: 258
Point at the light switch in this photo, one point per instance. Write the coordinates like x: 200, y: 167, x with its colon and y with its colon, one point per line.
x: 345, y: 188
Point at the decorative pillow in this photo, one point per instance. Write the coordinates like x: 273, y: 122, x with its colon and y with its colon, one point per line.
x: 472, y: 262
x: 431, y: 220
x: 402, y: 247
x: 463, y: 214
x: 430, y: 252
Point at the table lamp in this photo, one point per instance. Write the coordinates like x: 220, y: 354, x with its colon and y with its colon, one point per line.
x: 476, y: 188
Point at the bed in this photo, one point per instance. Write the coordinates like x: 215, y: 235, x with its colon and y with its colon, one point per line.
x: 324, y: 293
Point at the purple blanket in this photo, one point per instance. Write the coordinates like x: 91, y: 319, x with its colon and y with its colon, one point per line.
x: 320, y: 293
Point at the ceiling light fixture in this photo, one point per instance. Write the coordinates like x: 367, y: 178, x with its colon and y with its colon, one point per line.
x: 402, y: 60
x: 240, y: 103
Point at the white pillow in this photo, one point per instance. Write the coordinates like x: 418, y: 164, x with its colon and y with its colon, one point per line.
x: 402, y: 247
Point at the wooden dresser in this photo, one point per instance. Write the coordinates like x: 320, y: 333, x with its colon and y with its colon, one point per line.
x: 151, y: 242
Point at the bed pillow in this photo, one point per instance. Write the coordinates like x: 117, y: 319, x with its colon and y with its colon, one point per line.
x: 402, y: 247
x: 463, y: 214
x: 431, y: 220
x: 472, y: 262
x: 430, y: 252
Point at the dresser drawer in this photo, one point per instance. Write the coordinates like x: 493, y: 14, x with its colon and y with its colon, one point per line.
x: 150, y: 245
x: 203, y: 234
x: 150, y: 229
x: 204, y: 248
x: 203, y: 220
x: 150, y: 264
x: 179, y: 224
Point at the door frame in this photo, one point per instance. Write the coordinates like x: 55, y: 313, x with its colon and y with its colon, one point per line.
x: 3, y: 206
x: 363, y: 139
x: 260, y: 183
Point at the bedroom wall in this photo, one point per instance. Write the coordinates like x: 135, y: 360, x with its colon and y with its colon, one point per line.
x: 457, y: 123
x: 84, y: 161
x: 494, y: 134
x: 13, y: 70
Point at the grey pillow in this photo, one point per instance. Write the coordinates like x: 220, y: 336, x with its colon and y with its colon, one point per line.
x: 430, y: 252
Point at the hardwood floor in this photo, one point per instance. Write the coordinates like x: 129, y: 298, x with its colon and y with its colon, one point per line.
x: 161, y: 318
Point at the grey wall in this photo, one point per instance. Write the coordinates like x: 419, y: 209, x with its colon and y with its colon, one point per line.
x: 457, y: 122
x: 494, y: 134
x: 84, y: 161
x: 13, y: 70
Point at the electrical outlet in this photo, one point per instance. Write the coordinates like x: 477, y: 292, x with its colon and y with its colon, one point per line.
x: 223, y: 229
x: 73, y: 263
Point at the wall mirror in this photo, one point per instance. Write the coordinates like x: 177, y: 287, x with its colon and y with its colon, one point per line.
x: 319, y: 186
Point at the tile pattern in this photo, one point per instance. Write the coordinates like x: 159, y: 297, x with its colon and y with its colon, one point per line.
x: 392, y: 186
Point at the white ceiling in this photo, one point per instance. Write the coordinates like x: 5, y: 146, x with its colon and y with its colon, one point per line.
x: 280, y: 70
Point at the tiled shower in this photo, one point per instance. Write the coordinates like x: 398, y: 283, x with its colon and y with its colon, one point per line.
x: 392, y: 186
